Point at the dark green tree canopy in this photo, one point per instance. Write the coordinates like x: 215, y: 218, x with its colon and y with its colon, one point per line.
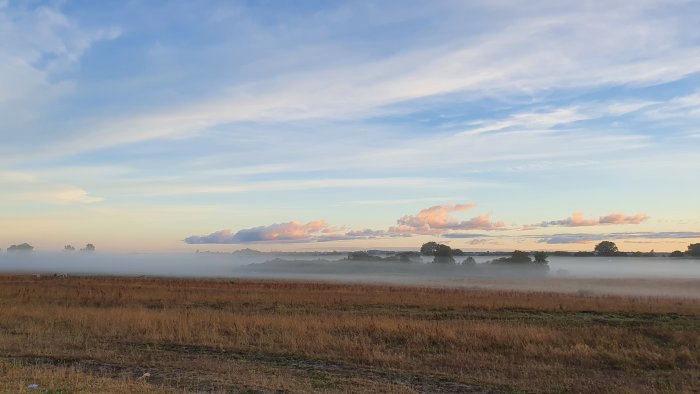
x: 606, y: 248
x: 443, y: 254
x: 540, y: 257
x: 429, y: 248
x: 694, y: 250
x: 519, y: 256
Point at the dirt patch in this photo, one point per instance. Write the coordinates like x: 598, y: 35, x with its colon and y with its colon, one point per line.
x: 318, y: 372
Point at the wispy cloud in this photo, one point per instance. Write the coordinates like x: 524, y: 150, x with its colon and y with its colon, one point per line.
x: 69, y: 195
x: 40, y: 48
x: 578, y: 220
x: 588, y: 238
x: 535, y: 52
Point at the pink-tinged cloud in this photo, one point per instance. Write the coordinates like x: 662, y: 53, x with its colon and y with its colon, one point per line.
x: 437, y: 219
x: 578, y: 220
x: 430, y: 221
x: 280, y: 232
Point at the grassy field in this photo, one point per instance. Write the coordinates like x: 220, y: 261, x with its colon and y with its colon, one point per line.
x: 101, y: 334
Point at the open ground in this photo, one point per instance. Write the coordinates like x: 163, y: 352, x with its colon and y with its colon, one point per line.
x: 101, y: 334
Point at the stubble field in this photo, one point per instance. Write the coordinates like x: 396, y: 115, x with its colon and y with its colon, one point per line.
x: 93, y: 334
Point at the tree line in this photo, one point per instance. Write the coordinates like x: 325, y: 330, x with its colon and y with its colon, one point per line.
x: 610, y: 249
x: 25, y: 247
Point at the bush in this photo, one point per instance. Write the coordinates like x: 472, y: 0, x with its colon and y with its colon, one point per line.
x: 676, y: 253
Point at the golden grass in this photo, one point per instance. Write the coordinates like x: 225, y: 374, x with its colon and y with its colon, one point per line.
x: 303, y: 336
x: 16, y: 378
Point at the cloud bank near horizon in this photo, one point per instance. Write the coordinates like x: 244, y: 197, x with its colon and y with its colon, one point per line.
x: 437, y: 220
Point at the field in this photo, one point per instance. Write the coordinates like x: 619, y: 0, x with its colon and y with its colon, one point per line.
x: 90, y: 334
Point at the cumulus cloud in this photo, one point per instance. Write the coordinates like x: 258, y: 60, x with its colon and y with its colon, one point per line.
x: 435, y: 220
x: 293, y: 231
x: 438, y: 219
x: 578, y: 220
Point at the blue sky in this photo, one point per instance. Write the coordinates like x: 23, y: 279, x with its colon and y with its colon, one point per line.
x: 321, y: 125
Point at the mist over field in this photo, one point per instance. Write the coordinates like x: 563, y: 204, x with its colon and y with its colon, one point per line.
x: 654, y: 276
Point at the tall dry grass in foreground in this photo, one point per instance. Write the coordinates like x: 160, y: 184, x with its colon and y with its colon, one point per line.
x: 211, y: 335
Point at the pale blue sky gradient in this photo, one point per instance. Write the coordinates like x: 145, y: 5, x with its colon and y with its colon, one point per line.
x: 137, y: 124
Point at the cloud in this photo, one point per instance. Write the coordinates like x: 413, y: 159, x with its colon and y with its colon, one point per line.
x: 436, y: 217
x: 550, y: 118
x: 578, y: 220
x: 437, y: 220
x: 17, y: 177
x: 165, y: 188
x: 430, y: 221
x: 464, y: 235
x: 525, y: 51
x: 280, y: 232
x: 367, y: 233
x: 587, y: 238
x: 66, y: 195
x: 40, y: 48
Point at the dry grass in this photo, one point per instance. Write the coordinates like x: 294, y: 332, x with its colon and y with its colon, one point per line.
x: 297, y: 336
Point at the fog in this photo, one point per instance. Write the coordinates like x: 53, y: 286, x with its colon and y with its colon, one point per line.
x: 653, y: 276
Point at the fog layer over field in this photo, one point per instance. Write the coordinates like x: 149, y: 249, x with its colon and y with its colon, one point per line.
x: 629, y: 275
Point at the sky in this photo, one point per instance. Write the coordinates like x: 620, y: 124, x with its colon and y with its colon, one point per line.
x: 321, y: 125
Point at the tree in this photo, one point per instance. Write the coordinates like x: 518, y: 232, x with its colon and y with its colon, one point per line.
x: 694, y: 250
x: 68, y: 248
x: 443, y: 254
x: 24, y: 247
x: 519, y: 256
x: 541, y: 257
x: 362, y: 256
x: 469, y: 261
x: 408, y: 257
x: 88, y: 248
x: 606, y: 248
x: 429, y: 248
x: 676, y: 253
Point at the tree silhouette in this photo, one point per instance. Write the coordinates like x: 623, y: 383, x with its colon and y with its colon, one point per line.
x: 68, y: 248
x: 23, y: 247
x: 676, y: 253
x: 88, y: 248
x: 606, y: 248
x: 694, y: 250
x: 429, y: 248
x: 469, y: 261
x: 519, y: 256
x: 540, y: 257
x: 443, y: 254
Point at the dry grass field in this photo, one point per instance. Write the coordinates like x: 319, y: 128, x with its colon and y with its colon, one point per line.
x: 89, y: 334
